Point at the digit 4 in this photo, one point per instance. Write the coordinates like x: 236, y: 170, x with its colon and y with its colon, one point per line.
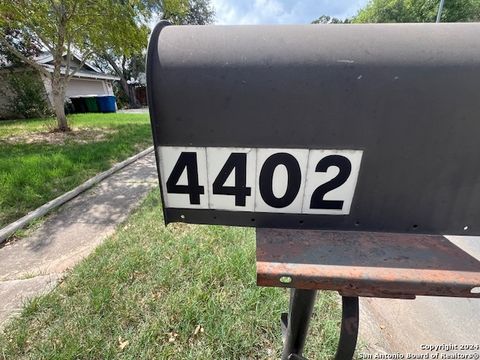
x: 187, y: 161
x: 236, y: 162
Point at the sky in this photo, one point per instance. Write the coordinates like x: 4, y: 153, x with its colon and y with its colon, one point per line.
x: 232, y: 12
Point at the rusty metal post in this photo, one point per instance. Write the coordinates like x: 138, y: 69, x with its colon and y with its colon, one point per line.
x: 349, y: 328
x: 300, y: 312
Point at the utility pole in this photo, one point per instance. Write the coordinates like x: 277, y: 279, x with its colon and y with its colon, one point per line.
x: 440, y: 9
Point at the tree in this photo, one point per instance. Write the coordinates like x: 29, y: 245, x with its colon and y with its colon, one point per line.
x: 124, y: 67
x: 66, y: 26
x: 325, y: 19
x: 23, y: 43
x: 128, y: 64
x: 189, y: 12
x: 401, y: 11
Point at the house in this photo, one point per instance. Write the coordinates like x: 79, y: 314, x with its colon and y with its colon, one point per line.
x: 87, y: 81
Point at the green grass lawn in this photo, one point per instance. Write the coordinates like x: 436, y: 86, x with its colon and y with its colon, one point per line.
x: 156, y: 292
x: 37, y: 165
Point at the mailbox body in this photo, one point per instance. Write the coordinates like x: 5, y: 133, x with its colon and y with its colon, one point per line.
x: 405, y: 98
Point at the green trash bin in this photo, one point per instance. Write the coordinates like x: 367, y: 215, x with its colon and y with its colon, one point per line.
x: 91, y: 103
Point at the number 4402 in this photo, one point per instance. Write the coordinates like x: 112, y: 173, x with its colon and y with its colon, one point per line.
x: 259, y: 180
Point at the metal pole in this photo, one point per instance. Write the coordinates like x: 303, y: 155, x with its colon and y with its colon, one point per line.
x: 349, y: 329
x: 440, y: 9
x: 300, y: 312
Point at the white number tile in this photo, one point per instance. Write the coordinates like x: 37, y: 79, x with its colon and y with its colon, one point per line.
x: 216, y: 159
x: 314, y: 179
x: 280, y: 180
x: 168, y: 157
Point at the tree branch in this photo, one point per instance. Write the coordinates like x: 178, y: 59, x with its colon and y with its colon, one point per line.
x: 23, y: 58
x: 114, y: 66
x: 124, y: 70
x: 46, y: 44
x: 69, y: 53
x: 85, y: 57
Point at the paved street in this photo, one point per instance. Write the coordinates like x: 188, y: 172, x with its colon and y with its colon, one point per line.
x: 404, y: 325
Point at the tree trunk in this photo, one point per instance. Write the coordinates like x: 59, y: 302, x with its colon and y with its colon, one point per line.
x: 133, y: 102
x: 132, y: 98
x: 58, y: 95
x: 59, y: 83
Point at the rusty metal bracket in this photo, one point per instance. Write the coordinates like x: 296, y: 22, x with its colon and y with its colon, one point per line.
x: 365, y: 263
x: 357, y: 264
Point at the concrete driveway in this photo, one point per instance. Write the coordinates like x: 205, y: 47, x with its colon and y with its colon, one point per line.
x: 134, y: 111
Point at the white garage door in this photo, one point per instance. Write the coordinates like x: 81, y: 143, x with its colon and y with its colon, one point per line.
x: 79, y: 87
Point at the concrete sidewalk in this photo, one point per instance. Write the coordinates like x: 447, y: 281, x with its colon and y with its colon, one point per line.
x: 34, y: 265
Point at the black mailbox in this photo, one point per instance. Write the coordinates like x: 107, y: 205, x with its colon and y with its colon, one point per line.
x: 343, y: 127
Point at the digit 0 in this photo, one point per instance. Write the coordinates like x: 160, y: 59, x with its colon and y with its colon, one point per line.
x: 294, y: 178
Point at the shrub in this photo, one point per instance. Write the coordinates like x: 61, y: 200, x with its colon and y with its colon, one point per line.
x: 27, y: 96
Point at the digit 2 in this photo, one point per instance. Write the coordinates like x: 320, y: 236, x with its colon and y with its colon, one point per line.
x: 344, y: 165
